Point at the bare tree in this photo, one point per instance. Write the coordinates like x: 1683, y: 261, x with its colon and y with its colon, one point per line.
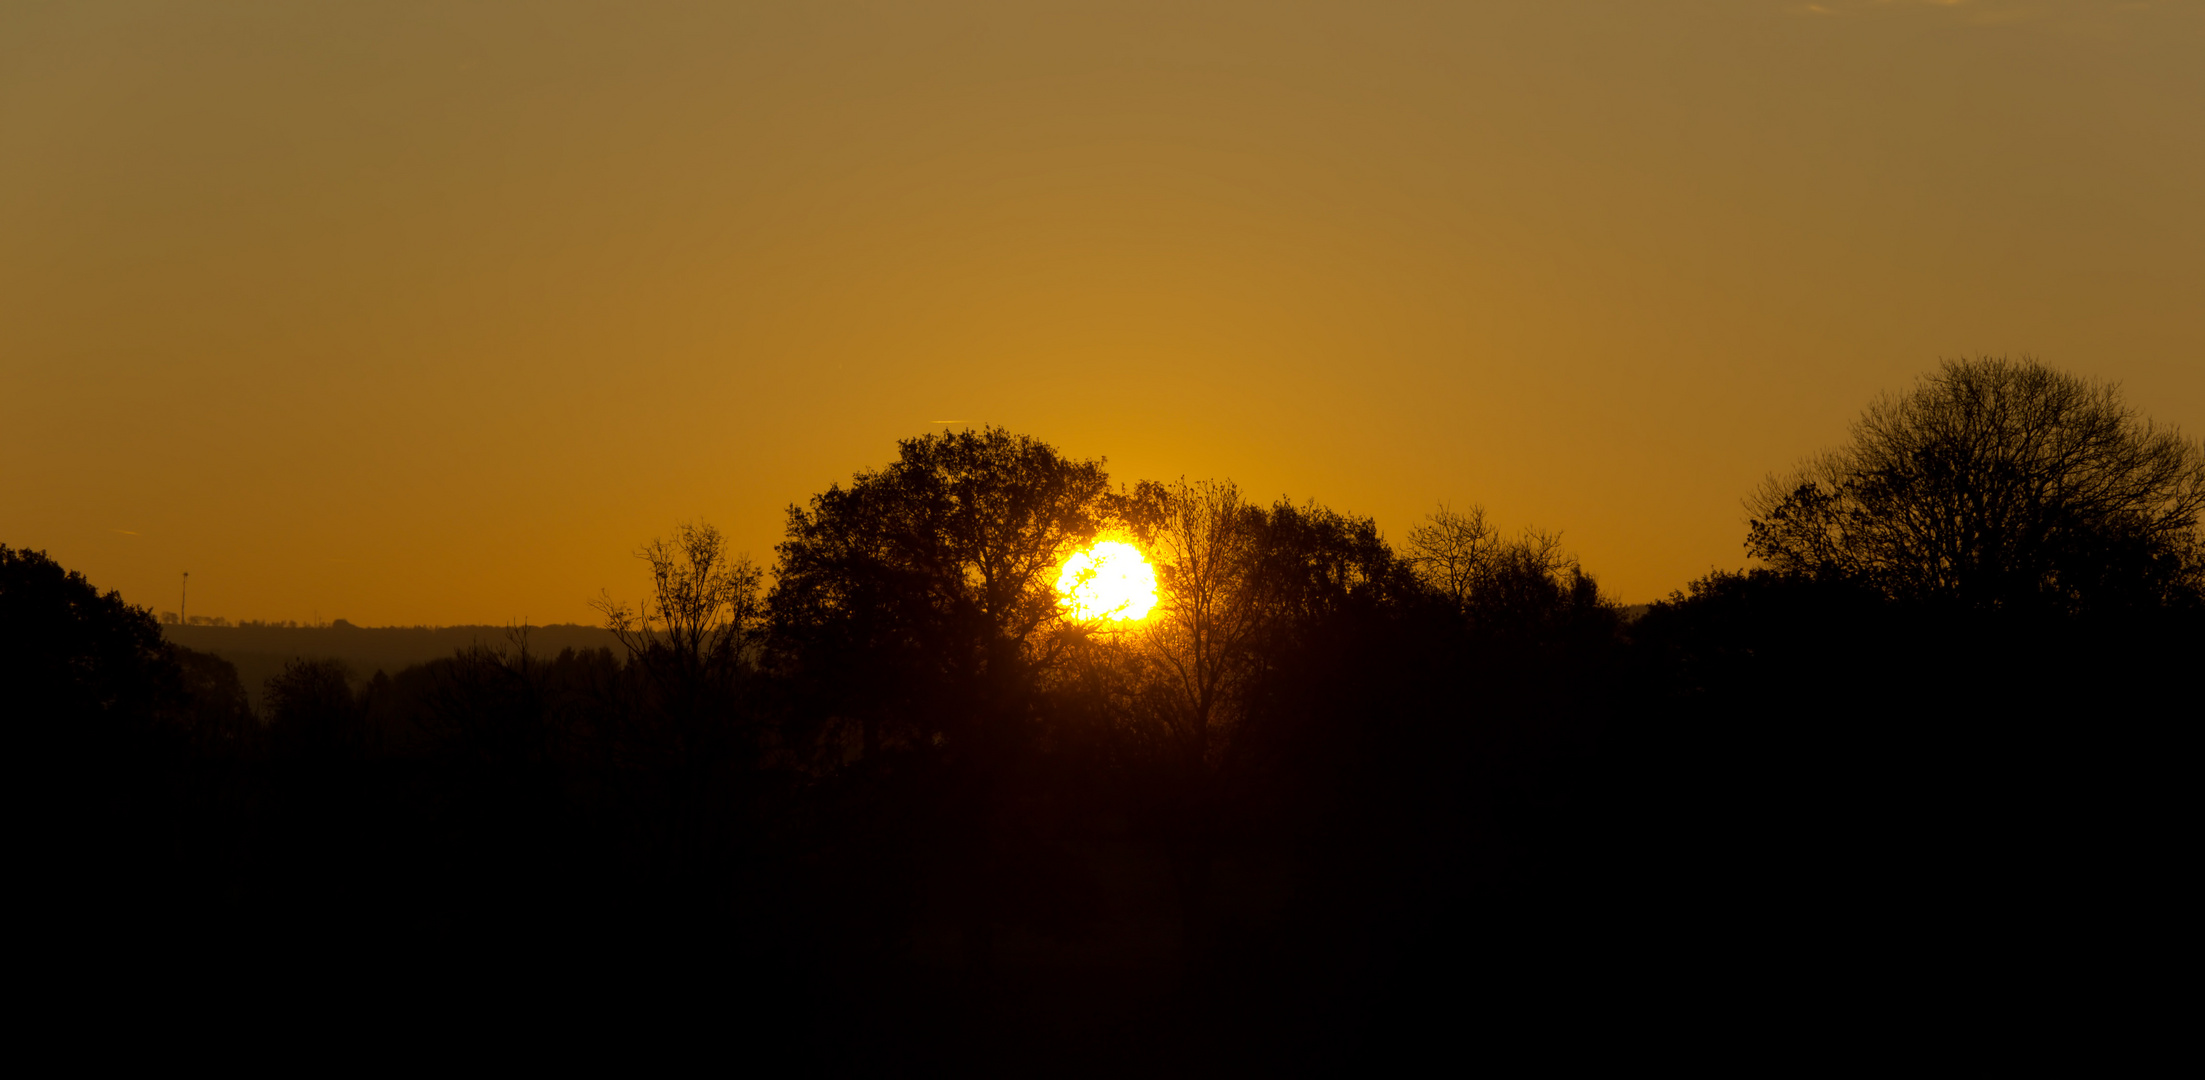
x: 1236, y: 583
x: 1461, y: 556
x: 1229, y: 575
x: 706, y: 607
x: 1207, y: 617
x: 690, y: 643
x: 1996, y: 483
x: 1452, y: 549
x: 1190, y: 662
x: 679, y: 734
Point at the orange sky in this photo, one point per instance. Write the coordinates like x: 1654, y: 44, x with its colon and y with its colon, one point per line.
x: 432, y: 312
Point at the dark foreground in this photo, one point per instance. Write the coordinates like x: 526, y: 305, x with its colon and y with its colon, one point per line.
x: 1771, y: 807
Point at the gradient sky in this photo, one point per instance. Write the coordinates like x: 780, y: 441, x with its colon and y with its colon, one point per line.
x: 432, y: 312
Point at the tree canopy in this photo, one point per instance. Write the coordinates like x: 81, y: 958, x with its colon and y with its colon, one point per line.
x: 1997, y: 484
x: 71, y: 650
x: 930, y: 581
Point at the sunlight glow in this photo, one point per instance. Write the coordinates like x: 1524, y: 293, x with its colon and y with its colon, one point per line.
x: 1107, y: 581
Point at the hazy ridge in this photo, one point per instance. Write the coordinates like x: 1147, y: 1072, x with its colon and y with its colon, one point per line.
x: 260, y: 651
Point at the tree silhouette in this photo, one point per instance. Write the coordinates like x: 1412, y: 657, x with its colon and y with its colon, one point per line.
x: 1242, y: 588
x: 1521, y: 587
x: 89, y: 684
x: 1205, y: 542
x: 1997, y: 484
x: 1187, y: 667
x: 939, y: 570
x: 917, y: 605
x: 1451, y: 550
x: 74, y: 655
x: 708, y: 609
x: 687, y: 712
x: 681, y: 735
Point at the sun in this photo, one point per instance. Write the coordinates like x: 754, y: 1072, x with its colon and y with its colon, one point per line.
x: 1107, y: 581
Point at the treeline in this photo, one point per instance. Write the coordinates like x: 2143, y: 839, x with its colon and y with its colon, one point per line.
x: 259, y: 650
x: 887, y: 808
x: 169, y: 618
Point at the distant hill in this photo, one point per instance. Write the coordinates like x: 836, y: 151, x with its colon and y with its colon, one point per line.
x: 260, y: 651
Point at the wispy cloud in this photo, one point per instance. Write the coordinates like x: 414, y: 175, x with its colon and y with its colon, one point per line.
x: 126, y: 532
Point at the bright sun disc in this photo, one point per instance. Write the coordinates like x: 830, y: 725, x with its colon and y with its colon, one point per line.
x: 1107, y: 581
